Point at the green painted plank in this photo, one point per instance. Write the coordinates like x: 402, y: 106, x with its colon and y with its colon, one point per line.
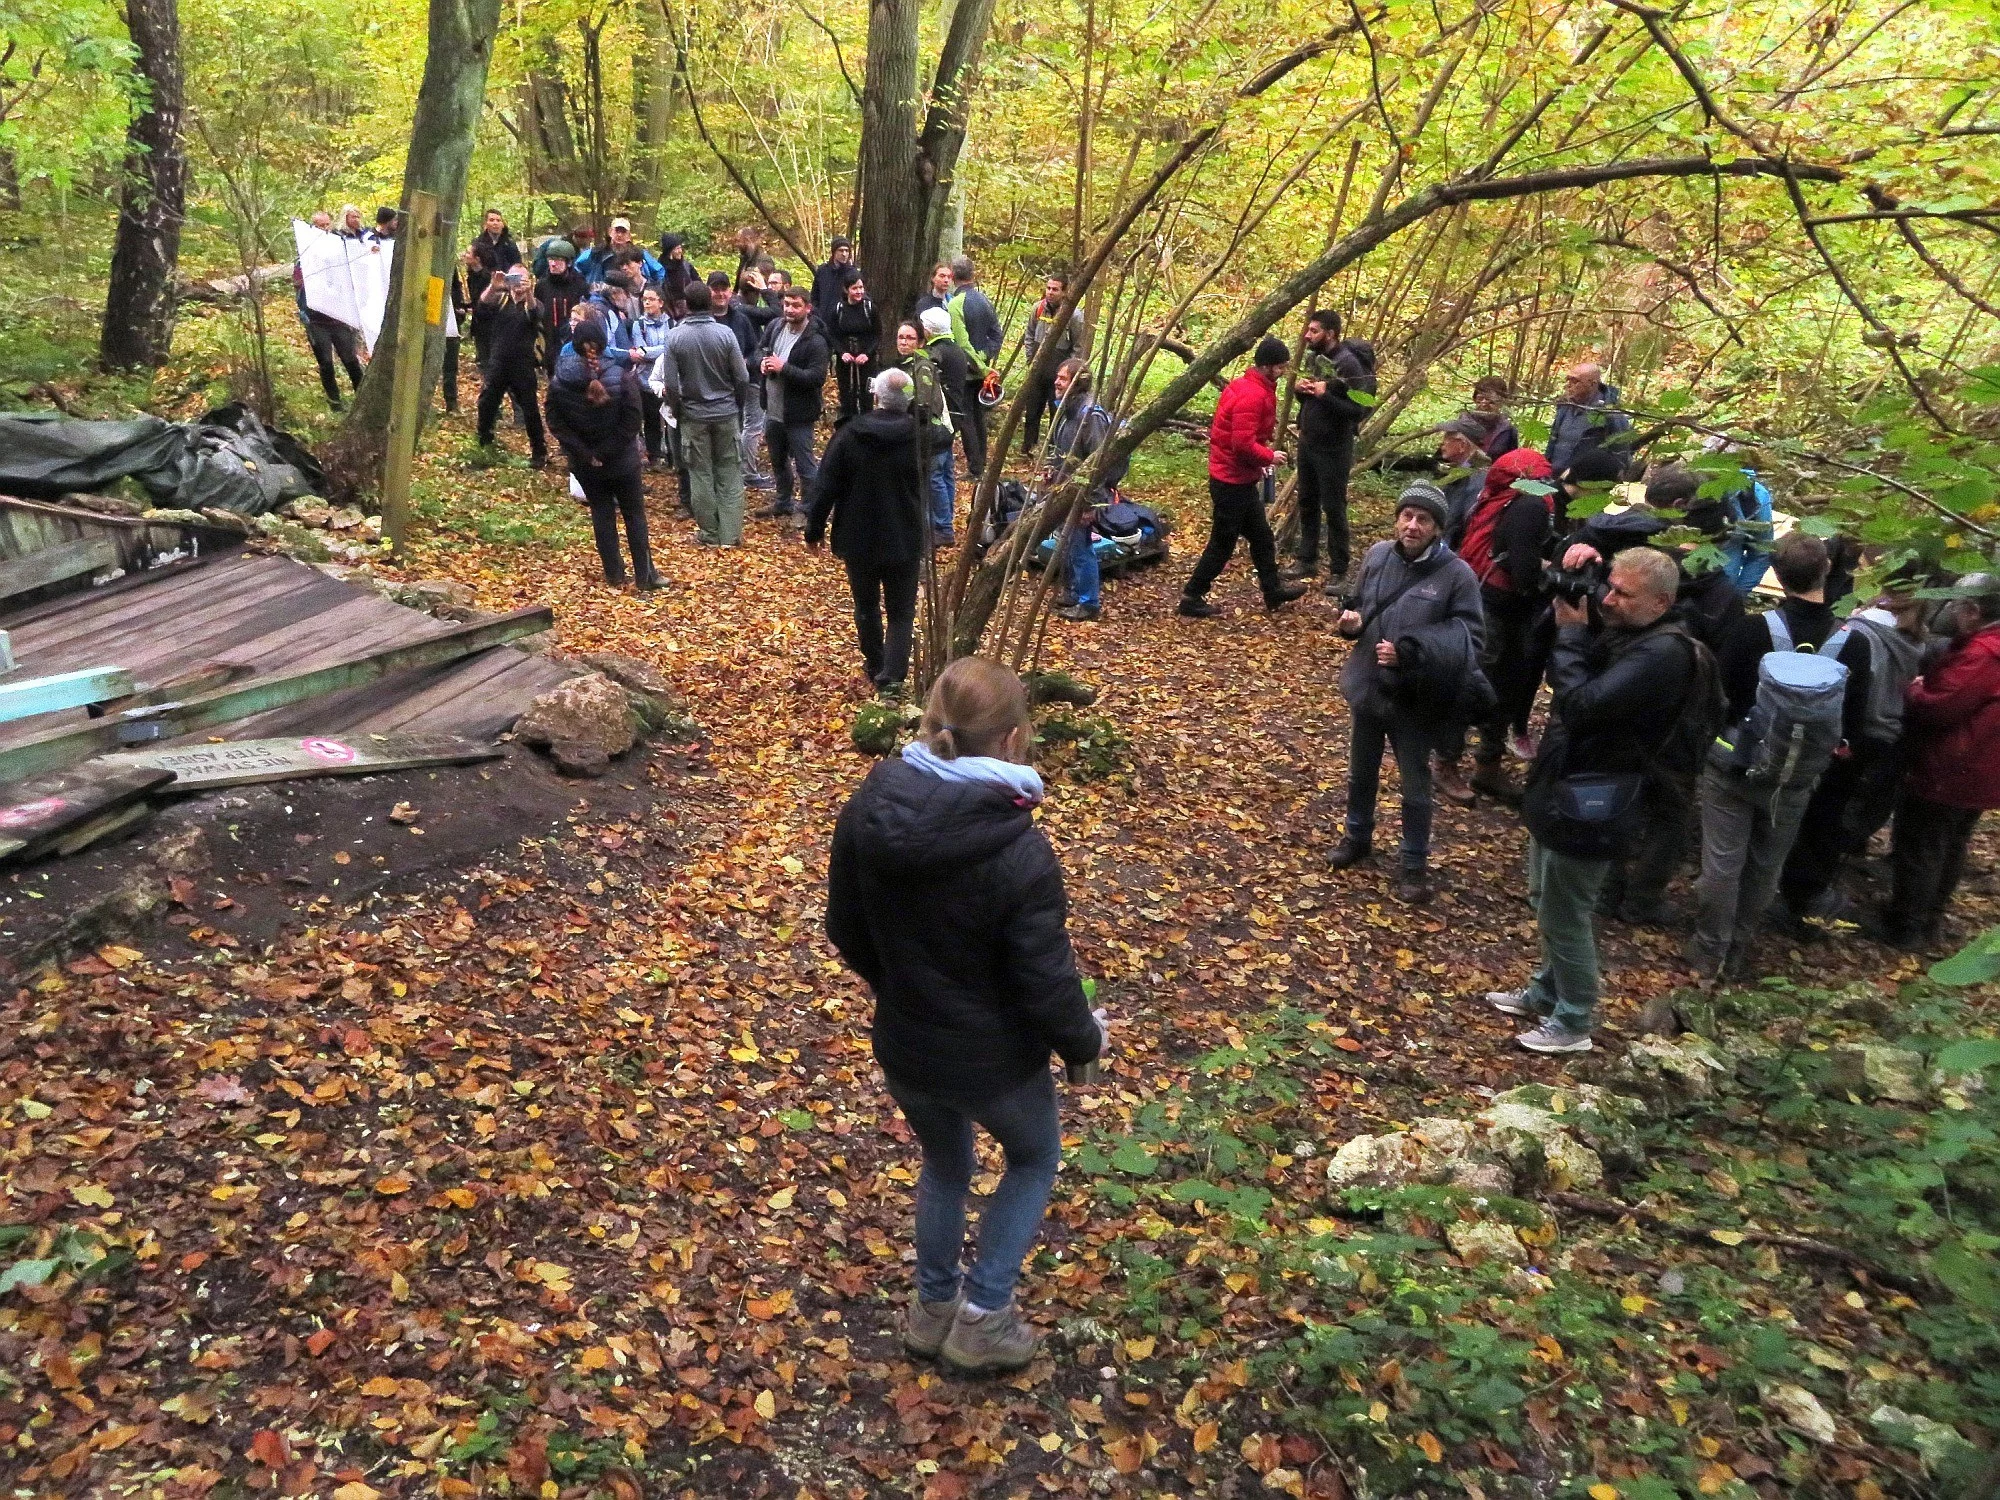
x: 199, y: 768
x: 53, y: 564
x: 67, y: 746
x: 46, y: 695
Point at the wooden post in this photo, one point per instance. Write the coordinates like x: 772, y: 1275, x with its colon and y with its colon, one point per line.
x: 421, y: 309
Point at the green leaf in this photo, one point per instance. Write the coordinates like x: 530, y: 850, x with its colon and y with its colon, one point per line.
x: 1970, y: 1055
x: 1975, y: 963
x: 1134, y: 1160
x: 27, y: 1273
x: 795, y: 1119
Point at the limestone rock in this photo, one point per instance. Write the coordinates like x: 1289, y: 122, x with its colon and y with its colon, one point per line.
x: 574, y: 758
x: 1878, y: 1071
x: 371, y: 528
x: 436, y: 596
x: 1480, y: 1240
x: 1800, y: 1410
x: 589, y: 710
x: 1937, y: 1444
x: 1383, y: 1161
x: 1570, y: 1164
x: 305, y: 545
x: 347, y: 518
x: 657, y: 706
x: 176, y: 517
x: 1482, y: 1179
x: 1444, y: 1137
x: 1675, y: 1070
x: 307, y: 510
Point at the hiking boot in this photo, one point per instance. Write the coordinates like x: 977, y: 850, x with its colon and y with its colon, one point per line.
x: 538, y: 461
x: 772, y: 512
x: 1349, y: 851
x: 1413, y: 886
x: 1196, y: 608
x: 1510, y: 1002
x: 1286, y: 593
x: 1078, y: 612
x: 1490, y: 777
x: 1645, y: 913
x: 989, y: 1343
x: 1449, y: 778
x: 925, y: 1325
x: 1549, y: 1037
x: 1300, y: 570
x: 1705, y: 961
x: 651, y: 582
x: 1335, y: 587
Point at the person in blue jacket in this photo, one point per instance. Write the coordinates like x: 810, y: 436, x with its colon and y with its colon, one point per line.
x: 1748, y: 548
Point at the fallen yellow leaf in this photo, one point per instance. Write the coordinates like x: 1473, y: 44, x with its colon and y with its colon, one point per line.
x: 381, y: 1385
x: 1603, y: 1492
x: 92, y: 1195
x: 1633, y: 1304
x: 767, y: 1405
x: 1141, y: 1348
x: 1206, y: 1437
x: 1726, y: 1236
x: 780, y: 1199
x: 356, y: 1490
x: 1050, y: 1441
x: 1433, y: 1449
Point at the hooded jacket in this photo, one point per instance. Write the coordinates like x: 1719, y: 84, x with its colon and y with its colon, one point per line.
x: 948, y: 900
x: 1239, y: 439
x: 1505, y: 532
x: 1441, y: 590
x: 676, y: 274
x: 1332, y: 418
x: 871, y: 487
x: 802, y: 381
x: 1952, y: 715
x: 607, y: 433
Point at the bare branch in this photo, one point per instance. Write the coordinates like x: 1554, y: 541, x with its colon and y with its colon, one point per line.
x: 838, y: 56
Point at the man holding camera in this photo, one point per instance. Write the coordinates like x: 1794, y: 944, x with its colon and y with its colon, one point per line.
x: 1331, y: 371
x: 1619, y: 692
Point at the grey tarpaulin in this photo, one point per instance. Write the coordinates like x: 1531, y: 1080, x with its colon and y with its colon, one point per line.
x: 226, y: 461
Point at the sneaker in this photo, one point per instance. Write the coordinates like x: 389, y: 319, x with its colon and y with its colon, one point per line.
x: 1286, y: 593
x: 1078, y: 612
x: 1510, y: 1002
x: 1196, y: 608
x: 1449, y: 777
x: 1347, y: 852
x: 1705, y: 961
x: 989, y: 1344
x: 1414, y: 888
x: 1522, y: 746
x: 651, y: 582
x: 925, y: 1325
x: 1548, y: 1037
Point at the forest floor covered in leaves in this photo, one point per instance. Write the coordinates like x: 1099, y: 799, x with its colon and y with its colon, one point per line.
x: 572, y: 1174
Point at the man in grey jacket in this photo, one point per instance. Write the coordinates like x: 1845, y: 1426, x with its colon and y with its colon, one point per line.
x: 1586, y: 417
x: 705, y: 381
x: 1412, y: 585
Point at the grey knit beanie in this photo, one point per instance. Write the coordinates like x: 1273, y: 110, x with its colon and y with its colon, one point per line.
x: 1428, y: 497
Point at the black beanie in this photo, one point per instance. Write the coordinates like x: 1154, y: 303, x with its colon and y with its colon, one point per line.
x: 1273, y: 352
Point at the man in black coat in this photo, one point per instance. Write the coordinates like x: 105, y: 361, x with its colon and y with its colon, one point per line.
x: 830, y: 278
x: 492, y: 253
x: 515, y: 323
x: 1331, y: 371
x: 792, y: 359
x: 559, y: 292
x: 871, y: 484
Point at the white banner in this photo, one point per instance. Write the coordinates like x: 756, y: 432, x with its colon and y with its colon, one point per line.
x: 348, y: 280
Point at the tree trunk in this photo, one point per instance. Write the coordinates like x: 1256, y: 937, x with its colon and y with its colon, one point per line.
x: 656, y: 86
x: 441, y: 139
x: 139, y: 304
x: 10, y: 179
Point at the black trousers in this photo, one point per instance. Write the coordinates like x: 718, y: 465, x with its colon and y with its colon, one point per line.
x: 972, y: 430
x: 450, y: 378
x: 884, y: 589
x: 328, y: 339
x: 852, y: 383
x: 1510, y: 666
x: 1322, y: 491
x: 649, y: 404
x: 611, y: 496
x: 1927, y: 858
x: 1041, y: 401
x: 1814, y: 863
x: 1237, y: 512
x: 519, y: 382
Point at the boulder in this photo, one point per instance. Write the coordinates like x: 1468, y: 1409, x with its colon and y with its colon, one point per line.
x: 438, y: 596
x: 1059, y: 687
x: 1878, y: 1071
x: 1482, y: 1179
x: 1381, y: 1161
x: 574, y: 758
x: 226, y: 520
x: 305, y: 545
x: 1800, y: 1410
x: 1477, y: 1240
x: 587, y: 710
x: 1674, y: 1070
x: 174, y: 516
x: 307, y: 510
x: 347, y: 518
x: 657, y: 706
x: 1444, y: 1137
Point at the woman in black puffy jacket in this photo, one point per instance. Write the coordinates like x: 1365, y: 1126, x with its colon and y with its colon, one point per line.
x: 948, y: 900
x: 594, y: 412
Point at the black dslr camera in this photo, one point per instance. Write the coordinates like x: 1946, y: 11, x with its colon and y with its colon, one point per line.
x: 1578, y: 585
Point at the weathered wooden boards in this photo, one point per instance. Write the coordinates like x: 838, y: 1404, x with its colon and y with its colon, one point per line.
x: 46, y: 695
x: 48, y: 813
x: 53, y: 564
x: 198, y: 768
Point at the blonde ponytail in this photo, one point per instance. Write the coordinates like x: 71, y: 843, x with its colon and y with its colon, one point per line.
x: 973, y: 709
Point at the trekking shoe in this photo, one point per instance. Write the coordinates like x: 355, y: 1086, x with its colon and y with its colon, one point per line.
x: 1348, y: 852
x: 651, y: 582
x: 1285, y: 595
x: 1196, y: 608
x: 1335, y: 587
x: 1510, y: 1002
x: 1301, y: 570
x: 925, y: 1325
x: 1523, y: 746
x: 772, y: 512
x: 1706, y: 963
x: 1490, y: 777
x: 889, y: 692
x: 1645, y: 913
x: 538, y: 461
x: 989, y: 1344
x: 1414, y: 888
x: 1549, y: 1037
x: 1449, y: 777
x: 1078, y: 612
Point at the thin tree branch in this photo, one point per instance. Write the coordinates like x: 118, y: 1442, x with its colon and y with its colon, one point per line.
x: 1906, y: 213
x: 838, y: 56
x: 1652, y: 20
x: 1944, y: 272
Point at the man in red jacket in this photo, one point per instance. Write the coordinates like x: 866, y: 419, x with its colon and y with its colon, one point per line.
x: 1239, y: 456
x: 1952, y: 717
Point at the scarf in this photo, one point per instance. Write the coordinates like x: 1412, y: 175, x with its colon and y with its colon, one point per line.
x: 1007, y: 775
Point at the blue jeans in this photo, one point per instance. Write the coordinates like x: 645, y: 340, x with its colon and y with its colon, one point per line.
x: 1080, y: 556
x: 1364, y: 779
x: 1026, y: 1125
x: 1563, y: 890
x: 790, y: 445
x: 944, y: 494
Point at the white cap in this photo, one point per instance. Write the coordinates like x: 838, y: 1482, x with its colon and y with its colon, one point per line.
x: 936, y: 320
x: 624, y: 224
